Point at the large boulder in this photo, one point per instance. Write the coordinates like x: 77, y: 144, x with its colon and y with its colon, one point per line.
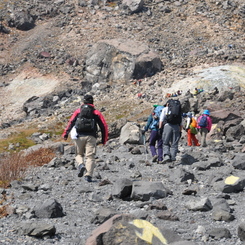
x: 143, y: 190
x: 49, y: 209
x: 22, y: 20
x: 235, y: 132
x: 36, y: 229
x: 130, y: 134
x: 125, y: 229
x: 115, y: 127
x: 224, y: 115
x: 120, y: 60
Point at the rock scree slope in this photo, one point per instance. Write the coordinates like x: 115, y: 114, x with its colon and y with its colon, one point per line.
x: 43, y: 65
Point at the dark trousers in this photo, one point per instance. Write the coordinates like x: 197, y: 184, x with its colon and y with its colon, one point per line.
x: 156, y: 138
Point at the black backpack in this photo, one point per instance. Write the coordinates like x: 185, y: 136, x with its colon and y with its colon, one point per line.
x: 174, y: 115
x: 85, y: 122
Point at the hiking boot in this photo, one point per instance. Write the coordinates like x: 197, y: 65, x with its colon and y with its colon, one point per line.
x: 154, y: 159
x: 159, y: 161
x: 88, y: 178
x: 81, y: 170
x: 166, y: 159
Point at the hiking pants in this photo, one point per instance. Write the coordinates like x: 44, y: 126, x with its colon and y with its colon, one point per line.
x: 155, y: 137
x: 86, y: 148
x: 170, y: 137
x: 203, y: 132
x: 191, y: 139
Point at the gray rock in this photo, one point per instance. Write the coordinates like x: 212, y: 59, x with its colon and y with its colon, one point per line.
x: 122, y: 188
x: 181, y: 175
x: 22, y: 20
x: 113, y: 53
x: 29, y: 187
x: 133, y: 5
x: 211, y: 162
x: 102, y: 215
x: 49, y: 209
x: 202, y: 204
x: 221, y: 215
x: 239, y: 161
x: 131, y: 134
x: 145, y: 190
x: 218, y: 233
x: 36, y: 229
x: 241, y: 231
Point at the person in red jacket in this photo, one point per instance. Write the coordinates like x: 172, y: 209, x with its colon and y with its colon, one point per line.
x: 85, y: 141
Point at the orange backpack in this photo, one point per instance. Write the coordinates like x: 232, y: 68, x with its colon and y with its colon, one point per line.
x: 193, y: 126
x: 193, y: 123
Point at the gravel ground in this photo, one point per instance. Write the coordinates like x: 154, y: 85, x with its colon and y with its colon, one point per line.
x: 81, y: 200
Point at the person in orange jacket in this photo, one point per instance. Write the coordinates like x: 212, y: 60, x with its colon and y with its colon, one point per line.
x: 85, y: 141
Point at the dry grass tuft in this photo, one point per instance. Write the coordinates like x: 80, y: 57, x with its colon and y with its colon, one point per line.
x: 14, y: 166
x: 4, y: 208
x: 40, y: 157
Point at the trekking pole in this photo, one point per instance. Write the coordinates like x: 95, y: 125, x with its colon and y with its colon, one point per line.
x: 146, y: 151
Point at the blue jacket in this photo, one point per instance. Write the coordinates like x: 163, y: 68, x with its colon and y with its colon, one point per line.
x: 149, y: 124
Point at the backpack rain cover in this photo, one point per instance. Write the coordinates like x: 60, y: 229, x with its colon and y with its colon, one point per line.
x: 203, y: 122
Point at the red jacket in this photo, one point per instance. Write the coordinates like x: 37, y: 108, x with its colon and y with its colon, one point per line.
x: 100, y: 120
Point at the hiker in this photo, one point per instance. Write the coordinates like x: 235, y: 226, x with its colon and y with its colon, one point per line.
x: 191, y: 129
x: 155, y: 135
x: 171, y: 124
x: 196, y: 92
x: 179, y: 92
x: 215, y: 91
x: 139, y: 82
x: 200, y: 90
x: 140, y: 95
x: 85, y: 134
x: 204, y: 124
x: 188, y: 92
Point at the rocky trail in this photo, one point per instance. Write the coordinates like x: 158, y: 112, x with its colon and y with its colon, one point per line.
x: 129, y: 55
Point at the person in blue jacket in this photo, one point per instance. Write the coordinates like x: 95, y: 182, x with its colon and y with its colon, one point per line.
x: 155, y: 134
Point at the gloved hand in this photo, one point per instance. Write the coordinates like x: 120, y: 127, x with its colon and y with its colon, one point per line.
x: 65, y: 137
x: 159, y: 132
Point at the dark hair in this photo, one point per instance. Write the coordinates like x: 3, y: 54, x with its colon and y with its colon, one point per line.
x: 88, y: 99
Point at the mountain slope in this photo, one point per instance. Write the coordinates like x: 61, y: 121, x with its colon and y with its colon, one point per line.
x: 186, y: 35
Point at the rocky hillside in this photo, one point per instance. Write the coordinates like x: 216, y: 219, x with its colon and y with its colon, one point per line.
x: 129, y: 54
x: 44, y: 45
